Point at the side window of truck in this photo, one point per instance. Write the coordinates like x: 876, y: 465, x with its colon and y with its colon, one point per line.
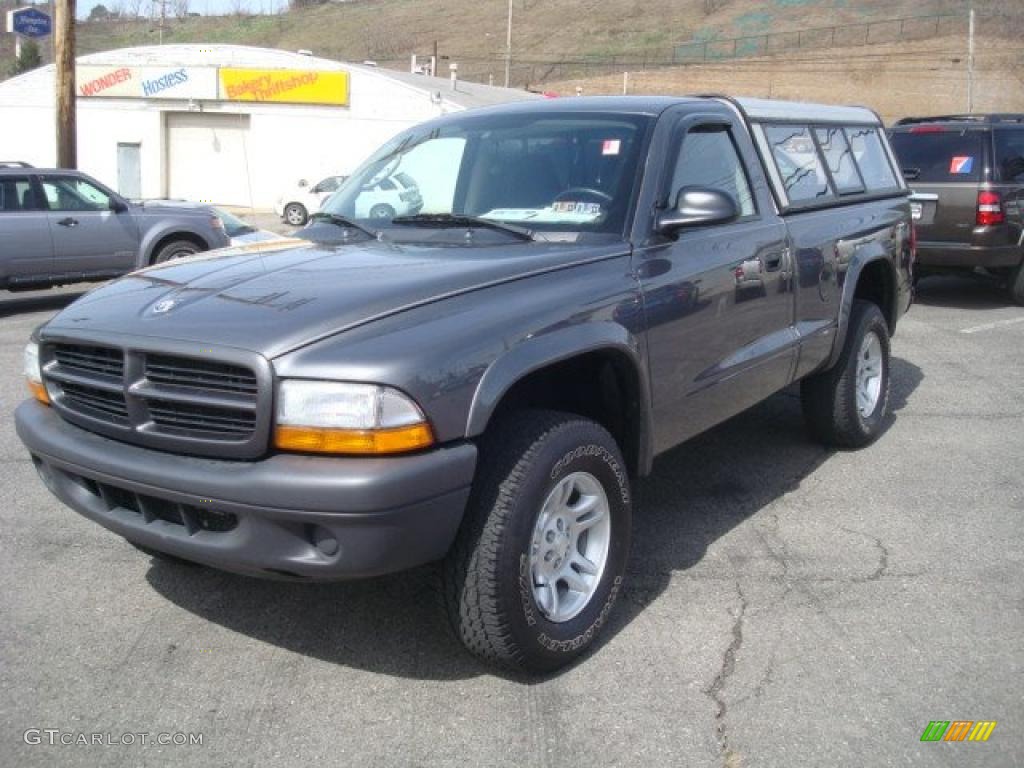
x: 871, y: 159
x: 839, y: 158
x: 708, y: 158
x: 796, y: 157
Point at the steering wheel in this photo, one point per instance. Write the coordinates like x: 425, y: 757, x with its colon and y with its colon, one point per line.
x: 576, y: 193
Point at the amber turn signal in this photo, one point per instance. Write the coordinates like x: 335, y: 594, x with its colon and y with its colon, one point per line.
x: 353, y: 441
x: 38, y: 390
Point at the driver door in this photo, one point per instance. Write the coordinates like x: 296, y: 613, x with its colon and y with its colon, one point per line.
x: 718, y: 298
x: 88, y: 236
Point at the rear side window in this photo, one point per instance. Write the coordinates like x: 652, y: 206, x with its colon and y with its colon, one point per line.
x: 1010, y: 153
x: 939, y: 155
x: 871, y: 158
x: 797, y: 159
x: 16, y: 194
x: 839, y: 159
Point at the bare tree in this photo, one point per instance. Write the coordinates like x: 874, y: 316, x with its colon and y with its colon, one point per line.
x: 180, y: 8
x: 239, y: 7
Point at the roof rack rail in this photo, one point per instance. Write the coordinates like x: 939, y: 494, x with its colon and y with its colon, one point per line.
x: 995, y: 117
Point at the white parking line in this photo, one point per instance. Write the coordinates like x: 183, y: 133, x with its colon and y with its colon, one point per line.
x: 990, y: 326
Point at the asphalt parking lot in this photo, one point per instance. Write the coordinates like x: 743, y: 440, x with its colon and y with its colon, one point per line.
x: 786, y: 605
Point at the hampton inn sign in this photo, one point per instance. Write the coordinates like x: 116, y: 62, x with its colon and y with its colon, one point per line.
x: 280, y: 86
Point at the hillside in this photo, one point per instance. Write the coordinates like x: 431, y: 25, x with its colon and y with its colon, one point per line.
x: 916, y: 66
x: 546, y: 33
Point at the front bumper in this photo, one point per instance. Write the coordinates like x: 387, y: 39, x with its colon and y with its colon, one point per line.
x: 291, y: 516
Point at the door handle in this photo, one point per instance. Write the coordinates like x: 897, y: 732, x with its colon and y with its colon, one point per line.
x: 779, y: 262
x: 68, y: 222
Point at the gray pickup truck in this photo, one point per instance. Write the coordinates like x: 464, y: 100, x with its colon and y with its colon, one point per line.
x: 59, y: 227
x: 588, y: 283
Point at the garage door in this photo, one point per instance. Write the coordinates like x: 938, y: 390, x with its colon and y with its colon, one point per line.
x: 206, y: 158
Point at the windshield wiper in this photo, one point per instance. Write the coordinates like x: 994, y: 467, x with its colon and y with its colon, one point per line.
x: 445, y: 220
x: 341, y: 221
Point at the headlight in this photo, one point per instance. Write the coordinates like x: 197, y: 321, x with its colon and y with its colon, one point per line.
x: 338, y: 417
x: 33, y: 374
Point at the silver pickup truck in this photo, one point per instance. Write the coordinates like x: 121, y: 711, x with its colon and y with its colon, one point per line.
x: 59, y: 227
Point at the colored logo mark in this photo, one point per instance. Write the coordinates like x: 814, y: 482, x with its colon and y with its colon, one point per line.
x: 961, y: 164
x: 958, y: 730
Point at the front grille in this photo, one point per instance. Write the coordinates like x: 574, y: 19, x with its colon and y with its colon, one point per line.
x: 97, y: 401
x: 87, y: 360
x: 200, y: 374
x: 199, y: 405
x: 187, y: 417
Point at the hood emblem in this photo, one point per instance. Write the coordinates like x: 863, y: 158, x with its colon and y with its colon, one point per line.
x: 163, y: 306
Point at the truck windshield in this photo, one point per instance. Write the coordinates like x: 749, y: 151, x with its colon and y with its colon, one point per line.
x: 542, y: 172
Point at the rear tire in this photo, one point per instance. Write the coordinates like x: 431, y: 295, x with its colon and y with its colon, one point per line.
x: 1016, y: 285
x: 295, y: 214
x: 534, y: 528
x: 846, y: 406
x: 382, y: 211
x: 176, y: 249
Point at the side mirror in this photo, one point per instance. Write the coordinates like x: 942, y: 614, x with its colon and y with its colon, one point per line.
x: 117, y: 205
x: 697, y: 206
x: 303, y: 183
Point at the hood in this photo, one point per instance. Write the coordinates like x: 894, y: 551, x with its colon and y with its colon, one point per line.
x: 164, y: 207
x: 272, y: 297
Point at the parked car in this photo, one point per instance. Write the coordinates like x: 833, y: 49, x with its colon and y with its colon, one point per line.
x: 389, y: 197
x: 61, y: 226
x: 967, y: 173
x: 296, y: 205
x: 483, y: 382
x: 242, y: 232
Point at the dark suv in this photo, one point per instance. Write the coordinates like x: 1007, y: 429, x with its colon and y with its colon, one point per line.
x: 967, y: 173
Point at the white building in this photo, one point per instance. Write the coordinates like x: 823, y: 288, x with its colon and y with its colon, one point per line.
x: 227, y: 124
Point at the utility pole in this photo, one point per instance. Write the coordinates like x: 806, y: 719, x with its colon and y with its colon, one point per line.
x: 508, y: 47
x: 64, y: 57
x: 970, y: 62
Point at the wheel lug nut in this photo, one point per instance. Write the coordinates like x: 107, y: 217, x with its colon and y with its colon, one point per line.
x: 550, y: 537
x: 548, y: 555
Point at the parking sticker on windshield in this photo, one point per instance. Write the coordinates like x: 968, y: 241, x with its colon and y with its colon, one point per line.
x: 611, y: 147
x: 961, y: 164
x: 567, y: 206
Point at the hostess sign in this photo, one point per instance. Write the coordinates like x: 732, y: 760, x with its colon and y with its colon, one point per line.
x: 282, y: 86
x: 29, y: 22
x: 147, y: 82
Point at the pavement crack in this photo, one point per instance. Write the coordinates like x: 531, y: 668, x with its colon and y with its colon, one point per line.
x: 716, y: 690
x: 883, y: 558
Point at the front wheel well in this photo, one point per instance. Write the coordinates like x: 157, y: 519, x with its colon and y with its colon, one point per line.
x: 602, y: 385
x: 172, y: 237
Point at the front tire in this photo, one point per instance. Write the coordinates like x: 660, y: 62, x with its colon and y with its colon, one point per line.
x: 540, y: 559
x: 846, y: 405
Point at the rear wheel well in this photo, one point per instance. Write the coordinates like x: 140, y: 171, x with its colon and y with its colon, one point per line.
x: 167, y: 239
x: 875, y: 284
x: 602, y: 385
